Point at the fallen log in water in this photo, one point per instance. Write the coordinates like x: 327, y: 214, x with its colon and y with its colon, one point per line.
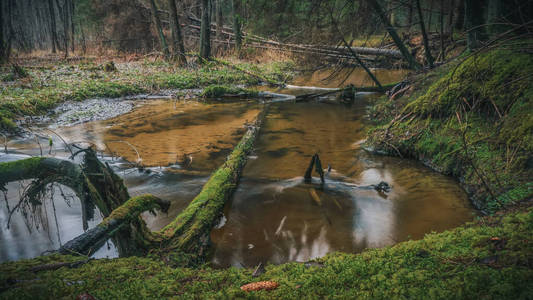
x: 94, y: 183
x: 189, y: 232
x: 118, y: 218
x: 350, y: 88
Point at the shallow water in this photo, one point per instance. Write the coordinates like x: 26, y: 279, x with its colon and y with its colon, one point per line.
x: 272, y: 216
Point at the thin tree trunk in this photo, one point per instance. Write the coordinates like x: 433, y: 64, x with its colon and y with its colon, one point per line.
x: 413, y: 64
x: 237, y: 25
x: 53, y: 25
x: 219, y: 19
x: 177, y: 38
x: 205, y: 32
x: 65, y: 26
x: 430, y: 15
x: 450, y: 19
x: 410, y: 15
x: 72, y: 29
x: 459, y: 15
x: 159, y: 28
x: 3, y: 56
x: 473, y: 20
x: 429, y: 58
x: 10, y: 27
x: 442, y: 30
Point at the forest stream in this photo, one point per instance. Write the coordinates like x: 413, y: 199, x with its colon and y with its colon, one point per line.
x: 273, y: 216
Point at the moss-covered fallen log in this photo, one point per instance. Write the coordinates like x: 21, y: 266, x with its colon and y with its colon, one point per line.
x: 189, y: 232
x: 93, y: 182
x: 120, y: 217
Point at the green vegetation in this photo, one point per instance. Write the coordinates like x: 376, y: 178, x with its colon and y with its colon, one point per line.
x: 487, y: 259
x: 45, y: 87
x: 472, y: 120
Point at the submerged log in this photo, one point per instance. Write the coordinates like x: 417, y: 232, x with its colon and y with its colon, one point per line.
x: 189, y: 232
x: 120, y: 217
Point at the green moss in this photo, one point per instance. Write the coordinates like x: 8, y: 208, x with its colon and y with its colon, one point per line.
x: 486, y: 259
x: 189, y: 231
x: 486, y: 98
x: 133, y: 207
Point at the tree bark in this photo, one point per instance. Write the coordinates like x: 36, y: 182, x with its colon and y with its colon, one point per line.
x: 65, y: 26
x: 3, y: 56
x: 53, y: 25
x: 473, y: 20
x: 429, y: 58
x: 413, y: 64
x: 177, y: 37
x: 237, y: 25
x: 219, y: 19
x: 72, y: 29
x: 159, y: 29
x: 459, y: 15
x: 205, y: 31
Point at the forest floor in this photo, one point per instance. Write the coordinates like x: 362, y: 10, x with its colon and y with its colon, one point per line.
x: 471, y: 119
x: 34, y: 87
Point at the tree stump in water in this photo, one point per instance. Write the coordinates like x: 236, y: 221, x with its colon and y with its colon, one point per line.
x: 315, y: 161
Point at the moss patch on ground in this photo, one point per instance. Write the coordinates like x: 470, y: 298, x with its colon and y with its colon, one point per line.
x: 46, y: 86
x: 471, y: 119
x: 490, y: 258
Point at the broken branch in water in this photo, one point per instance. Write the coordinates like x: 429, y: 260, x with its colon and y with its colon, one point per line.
x: 315, y: 161
x: 118, y: 218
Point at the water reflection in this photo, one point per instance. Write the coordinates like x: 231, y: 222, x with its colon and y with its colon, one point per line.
x: 274, y: 218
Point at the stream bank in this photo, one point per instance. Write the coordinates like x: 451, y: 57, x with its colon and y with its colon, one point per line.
x: 471, y: 119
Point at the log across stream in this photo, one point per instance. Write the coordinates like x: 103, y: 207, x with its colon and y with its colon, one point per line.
x: 272, y: 216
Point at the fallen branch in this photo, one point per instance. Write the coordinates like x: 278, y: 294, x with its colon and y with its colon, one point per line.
x: 118, y: 218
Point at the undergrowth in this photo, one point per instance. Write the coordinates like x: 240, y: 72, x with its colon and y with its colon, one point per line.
x: 472, y: 120
x: 46, y: 86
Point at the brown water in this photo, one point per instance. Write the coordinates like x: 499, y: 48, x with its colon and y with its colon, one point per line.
x: 272, y: 216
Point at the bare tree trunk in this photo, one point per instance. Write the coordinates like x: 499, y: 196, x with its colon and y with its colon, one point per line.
x: 237, y: 24
x: 159, y: 28
x: 3, y: 56
x: 413, y: 64
x: 429, y: 58
x: 72, y: 11
x: 473, y: 20
x: 442, y: 30
x: 53, y: 25
x: 65, y: 26
x: 177, y: 38
x: 205, y: 32
x: 450, y: 18
x: 460, y: 15
x: 219, y: 19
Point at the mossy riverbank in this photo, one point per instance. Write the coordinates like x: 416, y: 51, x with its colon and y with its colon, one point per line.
x: 490, y: 258
x: 471, y: 119
x: 45, y: 86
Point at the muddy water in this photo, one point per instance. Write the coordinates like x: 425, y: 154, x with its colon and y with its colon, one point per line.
x: 272, y: 217
x: 178, y: 145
